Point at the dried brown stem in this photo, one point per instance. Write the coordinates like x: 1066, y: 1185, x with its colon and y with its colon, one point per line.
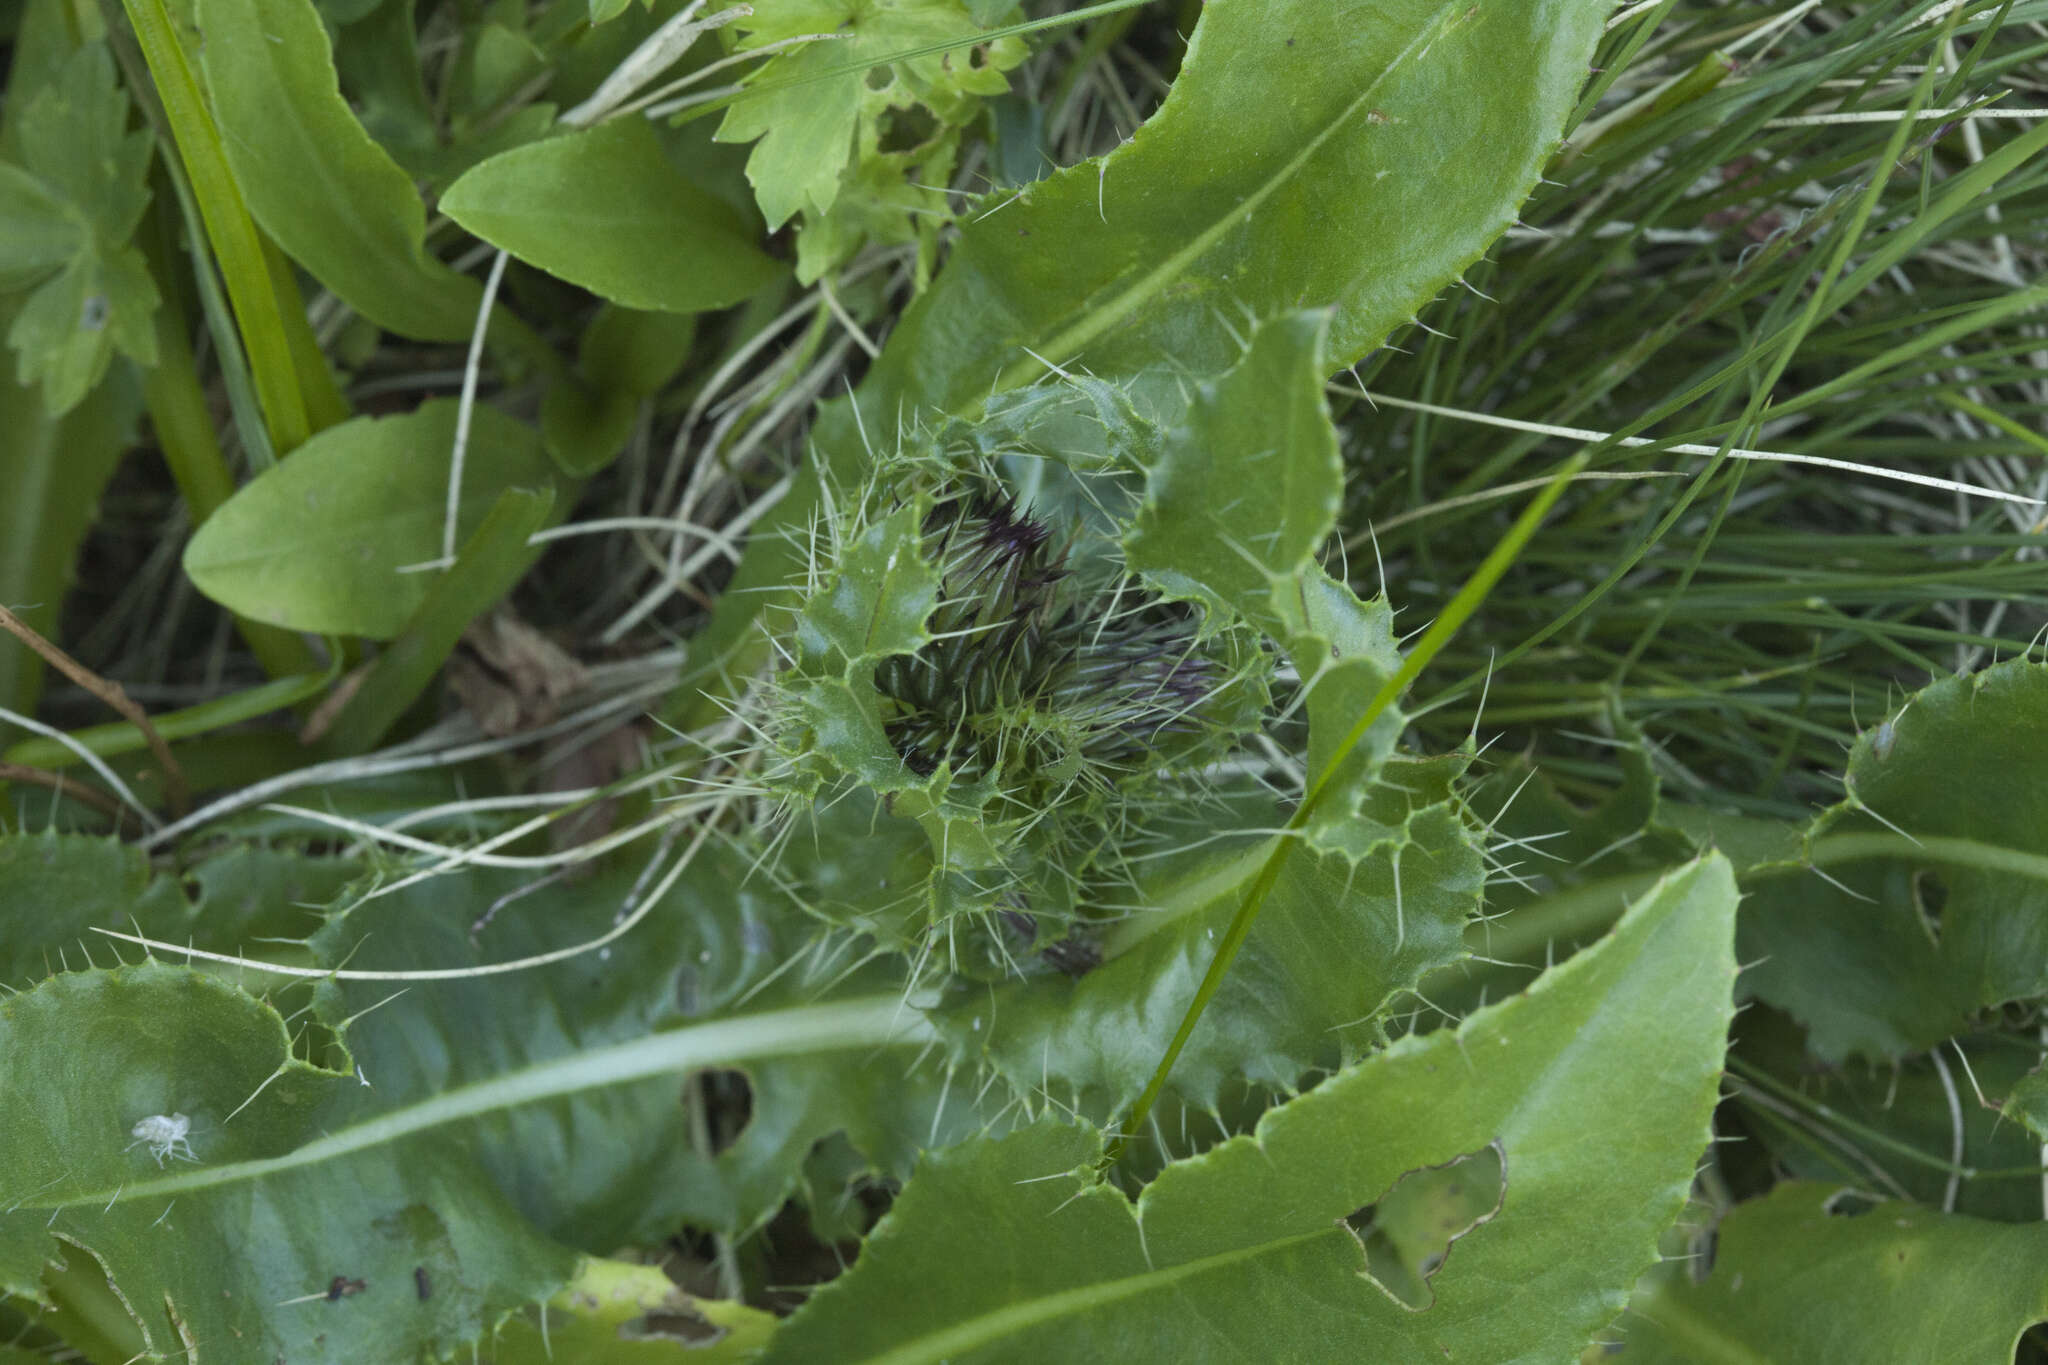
x: 175, y: 788
x: 64, y: 787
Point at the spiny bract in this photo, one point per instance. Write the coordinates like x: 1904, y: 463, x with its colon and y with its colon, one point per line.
x: 977, y: 665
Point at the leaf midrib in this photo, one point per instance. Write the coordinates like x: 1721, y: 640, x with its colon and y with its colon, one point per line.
x: 1100, y: 319
x: 1006, y: 1322
x: 864, y: 1022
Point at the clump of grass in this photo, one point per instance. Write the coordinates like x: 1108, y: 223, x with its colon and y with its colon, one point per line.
x: 1649, y: 291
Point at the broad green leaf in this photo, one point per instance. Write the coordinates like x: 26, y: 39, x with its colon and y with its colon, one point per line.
x: 469, y: 1130
x: 1304, y: 157
x: 207, y: 1261
x: 317, y: 542
x: 1241, y: 497
x: 1934, y: 898
x: 75, y: 138
x: 37, y: 232
x: 603, y: 208
x: 1817, y: 1272
x: 55, y: 887
x: 67, y: 331
x: 1244, y: 1252
x: 331, y: 197
x: 611, y: 1160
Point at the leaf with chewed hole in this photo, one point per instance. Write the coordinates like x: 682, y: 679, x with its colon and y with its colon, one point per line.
x: 1923, y: 896
x: 213, y: 1244
x: 1815, y: 1272
x: 471, y: 1136
x: 622, y: 1314
x: 1244, y: 1253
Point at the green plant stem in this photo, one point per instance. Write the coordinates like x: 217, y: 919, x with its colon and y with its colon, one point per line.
x: 1434, y: 639
x: 185, y: 433
x: 109, y: 740
x: 229, y: 228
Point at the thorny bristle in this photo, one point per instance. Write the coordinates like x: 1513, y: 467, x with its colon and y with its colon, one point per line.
x: 1016, y: 634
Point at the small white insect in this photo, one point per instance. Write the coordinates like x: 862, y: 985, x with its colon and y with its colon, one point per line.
x: 166, y: 1135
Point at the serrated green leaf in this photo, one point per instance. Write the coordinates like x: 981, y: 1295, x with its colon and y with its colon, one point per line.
x: 106, y: 1051
x: 603, y: 208
x: 54, y: 888
x: 1815, y: 1272
x: 613, y: 1161
x: 486, y: 1122
x: 1356, y: 918
x: 1934, y: 902
x: 1302, y: 158
x: 807, y: 133
x: 37, y: 232
x: 876, y: 603
x: 2027, y: 1103
x: 317, y: 542
x: 1243, y: 1253
x: 85, y: 184
x: 1248, y: 491
x: 323, y: 190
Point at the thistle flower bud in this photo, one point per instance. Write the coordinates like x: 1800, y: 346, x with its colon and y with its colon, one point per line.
x: 1036, y: 713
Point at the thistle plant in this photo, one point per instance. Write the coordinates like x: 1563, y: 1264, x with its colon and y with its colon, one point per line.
x: 979, y: 665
